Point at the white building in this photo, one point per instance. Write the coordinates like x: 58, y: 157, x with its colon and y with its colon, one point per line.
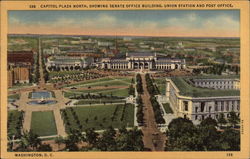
x: 143, y: 61
x: 199, y: 103
x: 217, y: 83
x: 68, y: 62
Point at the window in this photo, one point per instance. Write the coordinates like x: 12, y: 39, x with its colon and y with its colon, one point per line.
x: 216, y: 108
x: 202, y: 106
x: 222, y: 106
x: 196, y: 109
x: 185, y: 103
x: 196, y: 117
x: 210, y: 109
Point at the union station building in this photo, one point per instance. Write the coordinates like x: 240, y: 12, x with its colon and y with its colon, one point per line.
x: 148, y: 61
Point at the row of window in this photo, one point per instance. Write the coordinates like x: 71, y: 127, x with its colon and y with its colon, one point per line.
x: 202, y: 117
x: 224, y: 106
x: 214, y: 82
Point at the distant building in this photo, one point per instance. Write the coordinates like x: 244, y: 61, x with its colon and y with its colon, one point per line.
x: 84, y: 53
x: 143, y: 61
x: 217, y: 83
x: 105, y: 44
x: 199, y: 103
x: 24, y: 57
x: 21, y: 75
x: 68, y: 63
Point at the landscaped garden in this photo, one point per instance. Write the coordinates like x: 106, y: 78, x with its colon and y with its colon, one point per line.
x: 98, y: 101
x: 15, y: 123
x: 98, y: 117
x: 105, y: 82
x: 119, y: 92
x: 43, y: 123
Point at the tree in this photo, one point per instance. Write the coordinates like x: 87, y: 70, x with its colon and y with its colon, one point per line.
x: 29, y: 141
x: 209, y: 122
x: 107, y: 141
x: 182, y: 135
x: 230, y: 140
x: 91, y: 136
x: 208, y: 135
x: 59, y: 140
x: 45, y: 148
x: 233, y: 119
x: 130, y: 140
x: 222, y: 120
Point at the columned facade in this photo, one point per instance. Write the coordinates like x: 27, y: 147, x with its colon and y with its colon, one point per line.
x: 199, y: 108
x: 146, y: 61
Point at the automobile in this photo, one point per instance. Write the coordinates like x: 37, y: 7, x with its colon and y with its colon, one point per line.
x: 73, y: 88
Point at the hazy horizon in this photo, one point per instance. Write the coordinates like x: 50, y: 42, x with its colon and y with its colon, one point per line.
x: 147, y: 23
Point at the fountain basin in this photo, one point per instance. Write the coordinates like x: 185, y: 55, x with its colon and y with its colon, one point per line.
x: 41, y: 94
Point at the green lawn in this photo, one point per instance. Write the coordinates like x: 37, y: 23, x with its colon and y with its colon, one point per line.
x: 104, y: 81
x: 100, y: 117
x: 189, y: 90
x: 161, y: 84
x: 121, y: 92
x: 14, y: 96
x: 43, y: 123
x: 20, y: 85
x: 13, y: 119
x: 98, y: 101
x: 167, y: 108
x: 115, y: 82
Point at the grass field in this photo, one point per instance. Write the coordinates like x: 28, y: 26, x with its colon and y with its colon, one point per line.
x: 13, y: 128
x: 167, y: 108
x: 189, y: 90
x: 161, y: 84
x: 121, y: 92
x: 43, y: 123
x: 100, y: 117
x: 14, y: 96
x: 117, y: 81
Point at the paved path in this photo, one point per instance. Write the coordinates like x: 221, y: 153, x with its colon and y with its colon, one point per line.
x: 27, y: 120
x: 153, y: 138
x: 28, y: 109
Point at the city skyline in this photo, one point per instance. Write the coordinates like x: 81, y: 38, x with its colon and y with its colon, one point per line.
x: 185, y: 23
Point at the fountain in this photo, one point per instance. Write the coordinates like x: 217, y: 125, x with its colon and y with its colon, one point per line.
x: 41, y: 98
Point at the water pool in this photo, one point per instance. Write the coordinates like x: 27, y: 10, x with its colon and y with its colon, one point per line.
x: 40, y: 95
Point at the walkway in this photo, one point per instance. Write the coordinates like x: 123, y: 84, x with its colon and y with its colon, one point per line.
x: 28, y: 109
x: 153, y: 138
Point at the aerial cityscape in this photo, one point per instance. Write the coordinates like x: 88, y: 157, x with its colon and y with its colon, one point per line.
x: 101, y: 85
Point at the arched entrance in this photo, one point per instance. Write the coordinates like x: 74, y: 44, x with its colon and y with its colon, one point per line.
x: 105, y: 66
x: 136, y: 65
x: 176, y: 66
x: 141, y: 65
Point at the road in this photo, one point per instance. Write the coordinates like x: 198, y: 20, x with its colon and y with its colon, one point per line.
x: 153, y: 138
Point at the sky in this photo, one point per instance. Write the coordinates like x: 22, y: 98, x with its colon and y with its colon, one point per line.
x: 177, y: 23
